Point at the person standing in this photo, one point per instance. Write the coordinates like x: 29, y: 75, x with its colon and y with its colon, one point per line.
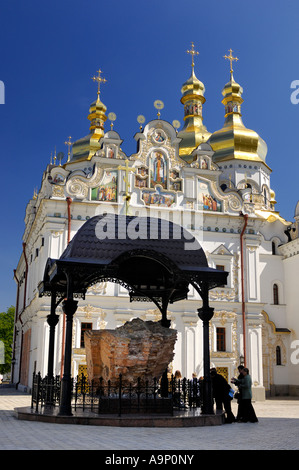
x: 244, y: 384
x: 238, y: 394
x: 194, y: 391
x: 221, y: 390
x: 177, y: 389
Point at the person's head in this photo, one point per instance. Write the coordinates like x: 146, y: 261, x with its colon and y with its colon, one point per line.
x: 178, y: 374
x: 245, y: 371
x: 240, y: 368
x: 213, y: 372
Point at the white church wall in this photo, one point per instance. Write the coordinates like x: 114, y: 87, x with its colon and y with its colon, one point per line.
x: 255, y: 365
x: 188, y: 347
x: 251, y: 274
x: 58, y: 343
x: 271, y: 272
x: 281, y: 376
x: 291, y: 269
x: 43, y: 346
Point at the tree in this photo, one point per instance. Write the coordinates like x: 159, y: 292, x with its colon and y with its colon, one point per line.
x: 6, y: 339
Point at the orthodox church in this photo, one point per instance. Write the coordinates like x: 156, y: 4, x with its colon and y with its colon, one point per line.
x: 215, y: 184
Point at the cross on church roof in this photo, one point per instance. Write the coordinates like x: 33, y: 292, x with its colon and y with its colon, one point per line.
x: 99, y: 79
x: 231, y: 59
x: 193, y: 52
x: 127, y: 170
x: 69, y: 143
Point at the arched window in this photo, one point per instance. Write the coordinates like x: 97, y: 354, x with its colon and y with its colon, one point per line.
x: 278, y: 356
x: 275, y: 294
x: 273, y: 248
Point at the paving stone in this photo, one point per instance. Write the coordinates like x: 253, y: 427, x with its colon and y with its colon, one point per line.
x: 277, y: 429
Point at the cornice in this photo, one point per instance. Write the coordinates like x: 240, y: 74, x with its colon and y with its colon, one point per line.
x: 290, y: 249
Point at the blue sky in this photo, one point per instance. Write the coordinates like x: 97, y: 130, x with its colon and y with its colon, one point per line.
x: 50, y: 50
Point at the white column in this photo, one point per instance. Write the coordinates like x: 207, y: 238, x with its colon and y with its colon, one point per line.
x: 255, y: 360
x: 251, y: 273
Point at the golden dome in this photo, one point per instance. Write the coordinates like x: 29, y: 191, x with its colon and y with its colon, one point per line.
x: 193, y: 88
x: 272, y: 197
x: 234, y: 141
x: 194, y: 132
x: 86, y: 147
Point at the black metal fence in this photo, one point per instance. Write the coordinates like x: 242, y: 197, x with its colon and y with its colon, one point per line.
x: 118, y: 397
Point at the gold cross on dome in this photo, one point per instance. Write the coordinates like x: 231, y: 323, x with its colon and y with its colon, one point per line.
x: 231, y: 59
x: 68, y: 143
x: 99, y: 79
x: 193, y: 52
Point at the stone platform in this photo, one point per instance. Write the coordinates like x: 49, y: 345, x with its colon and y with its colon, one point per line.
x: 142, y: 406
x: 188, y: 418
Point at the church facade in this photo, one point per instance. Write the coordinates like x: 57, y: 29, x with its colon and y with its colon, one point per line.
x: 217, y: 186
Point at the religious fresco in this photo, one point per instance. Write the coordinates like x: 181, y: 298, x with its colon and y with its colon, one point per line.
x: 206, y: 201
x: 175, y: 183
x: 159, y: 136
x: 204, y: 164
x: 107, y: 191
x: 232, y: 107
x: 58, y: 179
x: 158, y: 198
x: 174, y: 174
x: 158, y: 169
x: 141, y: 178
x: 110, y: 152
x: 195, y: 109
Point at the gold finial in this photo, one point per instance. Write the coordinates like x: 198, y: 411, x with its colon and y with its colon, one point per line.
x: 140, y: 120
x: 68, y: 143
x: 127, y: 184
x: 158, y: 105
x: 231, y: 59
x: 55, y: 157
x: 100, y: 80
x: 112, y: 118
x: 176, y: 124
x: 193, y: 52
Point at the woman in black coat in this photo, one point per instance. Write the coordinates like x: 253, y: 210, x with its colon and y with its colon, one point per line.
x: 221, y: 391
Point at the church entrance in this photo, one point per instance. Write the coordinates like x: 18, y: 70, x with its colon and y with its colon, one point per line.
x: 223, y: 371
